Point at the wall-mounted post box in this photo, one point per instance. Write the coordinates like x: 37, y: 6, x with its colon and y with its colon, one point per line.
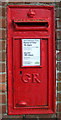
x: 31, y: 59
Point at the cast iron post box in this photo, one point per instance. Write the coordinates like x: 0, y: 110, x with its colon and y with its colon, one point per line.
x: 31, y: 59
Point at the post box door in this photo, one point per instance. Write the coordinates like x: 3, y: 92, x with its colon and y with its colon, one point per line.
x: 31, y: 60
x: 30, y: 82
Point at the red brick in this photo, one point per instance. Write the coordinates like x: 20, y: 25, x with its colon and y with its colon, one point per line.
x: 2, y: 77
x: 59, y: 76
x: 3, y: 34
x: 4, y: 3
x: 57, y: 4
x: 2, y: 11
x: 31, y: 117
x: 58, y: 116
x: 0, y: 3
x: 59, y: 24
x: 42, y: 1
x: 59, y: 56
x: 12, y: 117
x: 59, y: 86
x: 2, y: 23
x: 2, y: 98
x: 41, y: 116
x: 59, y: 107
x: 2, y: 67
x: 58, y: 34
x: 59, y: 66
x: 2, y: 87
x: 58, y: 97
x: 2, y: 56
x: 2, y: 108
x: 2, y: 45
x: 58, y: 12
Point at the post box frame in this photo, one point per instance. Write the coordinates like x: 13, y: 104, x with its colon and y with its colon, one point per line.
x: 50, y: 108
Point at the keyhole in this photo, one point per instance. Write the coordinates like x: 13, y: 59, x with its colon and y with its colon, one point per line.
x: 20, y: 72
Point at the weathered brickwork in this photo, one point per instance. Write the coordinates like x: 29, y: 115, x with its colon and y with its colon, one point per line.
x: 3, y: 59
x: 58, y: 60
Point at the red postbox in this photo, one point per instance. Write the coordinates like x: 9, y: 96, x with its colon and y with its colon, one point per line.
x: 31, y: 59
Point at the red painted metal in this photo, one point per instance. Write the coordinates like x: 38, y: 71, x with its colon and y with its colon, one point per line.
x: 31, y: 89
x: 31, y: 13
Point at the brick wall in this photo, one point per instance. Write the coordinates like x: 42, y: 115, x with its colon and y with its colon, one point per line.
x: 3, y: 68
x: 58, y: 60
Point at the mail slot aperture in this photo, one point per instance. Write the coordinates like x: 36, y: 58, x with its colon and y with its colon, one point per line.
x: 28, y: 25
